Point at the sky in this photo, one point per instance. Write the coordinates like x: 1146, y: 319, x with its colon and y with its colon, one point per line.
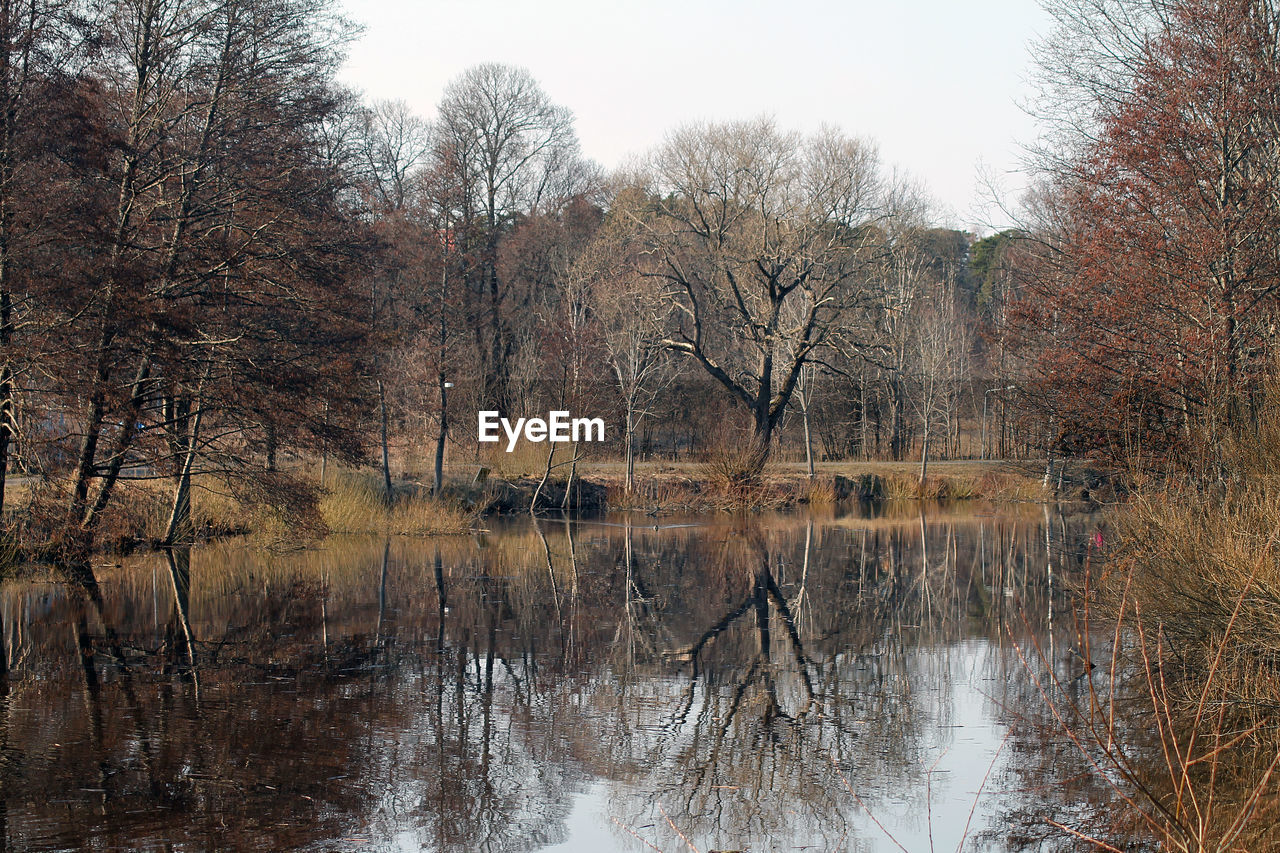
x: 940, y: 85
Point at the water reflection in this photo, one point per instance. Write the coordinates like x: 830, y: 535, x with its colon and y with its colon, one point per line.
x: 744, y: 684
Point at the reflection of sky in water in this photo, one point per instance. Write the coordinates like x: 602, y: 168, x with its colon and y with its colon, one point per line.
x: 589, y: 688
x: 959, y: 753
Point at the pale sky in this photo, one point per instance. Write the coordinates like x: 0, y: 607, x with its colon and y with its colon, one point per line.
x: 936, y: 83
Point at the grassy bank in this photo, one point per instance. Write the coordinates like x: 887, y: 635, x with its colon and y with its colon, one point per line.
x: 295, y: 507
x: 707, y: 481
x: 704, y: 486
x: 290, y: 509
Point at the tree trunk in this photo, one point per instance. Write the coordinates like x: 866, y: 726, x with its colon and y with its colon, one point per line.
x: 1048, y: 464
x: 895, y: 419
x: 324, y: 448
x: 386, y: 456
x: 438, y: 482
x: 761, y: 445
x: 573, y: 473
x: 442, y: 341
x: 272, y: 444
x: 862, y: 401
x: 631, y: 449
x: 808, y: 441
x: 180, y: 513
x: 4, y: 690
x: 124, y: 441
x: 924, y: 449
x: 88, y: 451
x: 6, y: 384
x: 546, y: 474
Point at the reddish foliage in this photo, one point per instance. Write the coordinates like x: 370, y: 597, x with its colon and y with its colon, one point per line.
x: 1150, y: 311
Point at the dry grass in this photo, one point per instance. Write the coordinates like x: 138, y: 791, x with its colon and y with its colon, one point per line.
x: 138, y: 513
x: 734, y: 473
x: 821, y: 491
x: 1203, y: 554
x: 1004, y: 486
x: 1181, y: 719
x: 526, y: 460
x: 280, y: 509
x: 688, y: 485
x: 704, y: 486
x: 355, y: 502
x: 1190, y: 761
x: 655, y: 492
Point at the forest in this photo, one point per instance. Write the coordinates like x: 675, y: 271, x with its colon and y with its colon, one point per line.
x: 214, y: 259
x: 217, y: 262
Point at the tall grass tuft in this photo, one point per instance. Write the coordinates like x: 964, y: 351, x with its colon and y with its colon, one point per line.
x: 735, y: 473
x: 821, y: 491
x: 656, y: 495
x: 357, y: 503
x: 526, y: 460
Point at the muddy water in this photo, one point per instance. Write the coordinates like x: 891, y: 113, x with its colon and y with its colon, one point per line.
x: 841, y: 681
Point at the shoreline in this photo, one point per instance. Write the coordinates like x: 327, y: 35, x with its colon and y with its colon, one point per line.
x: 351, y: 502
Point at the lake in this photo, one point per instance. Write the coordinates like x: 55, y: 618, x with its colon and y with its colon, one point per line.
x: 854, y: 680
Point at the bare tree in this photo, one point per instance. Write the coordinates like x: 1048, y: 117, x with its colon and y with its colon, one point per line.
x: 940, y: 348
x: 394, y: 143
x: 634, y: 315
x: 509, y: 149
x: 224, y: 244
x: 749, y: 220
x: 41, y: 116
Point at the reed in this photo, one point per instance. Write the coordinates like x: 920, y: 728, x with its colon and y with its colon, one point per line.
x: 821, y: 491
x: 356, y: 502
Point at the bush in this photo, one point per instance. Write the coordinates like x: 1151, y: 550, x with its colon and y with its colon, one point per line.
x: 1182, y: 717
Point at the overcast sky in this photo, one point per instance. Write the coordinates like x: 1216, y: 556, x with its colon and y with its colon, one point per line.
x: 937, y: 83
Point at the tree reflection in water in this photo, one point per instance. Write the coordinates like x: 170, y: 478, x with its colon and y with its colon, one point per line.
x: 501, y: 692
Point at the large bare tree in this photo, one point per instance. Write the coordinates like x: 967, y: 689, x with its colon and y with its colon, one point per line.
x: 764, y: 237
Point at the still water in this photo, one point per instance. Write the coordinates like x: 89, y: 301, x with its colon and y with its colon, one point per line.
x: 847, y: 681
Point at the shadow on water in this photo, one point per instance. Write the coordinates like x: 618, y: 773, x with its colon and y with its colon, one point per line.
x: 565, y: 685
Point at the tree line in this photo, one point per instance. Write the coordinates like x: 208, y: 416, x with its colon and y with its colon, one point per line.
x: 213, y: 256
x: 788, y: 279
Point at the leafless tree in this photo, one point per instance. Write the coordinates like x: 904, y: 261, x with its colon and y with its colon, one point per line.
x: 748, y: 220
x: 634, y: 315
x: 509, y: 149
x: 394, y: 143
x: 41, y: 54
x: 221, y: 247
x: 940, y: 348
